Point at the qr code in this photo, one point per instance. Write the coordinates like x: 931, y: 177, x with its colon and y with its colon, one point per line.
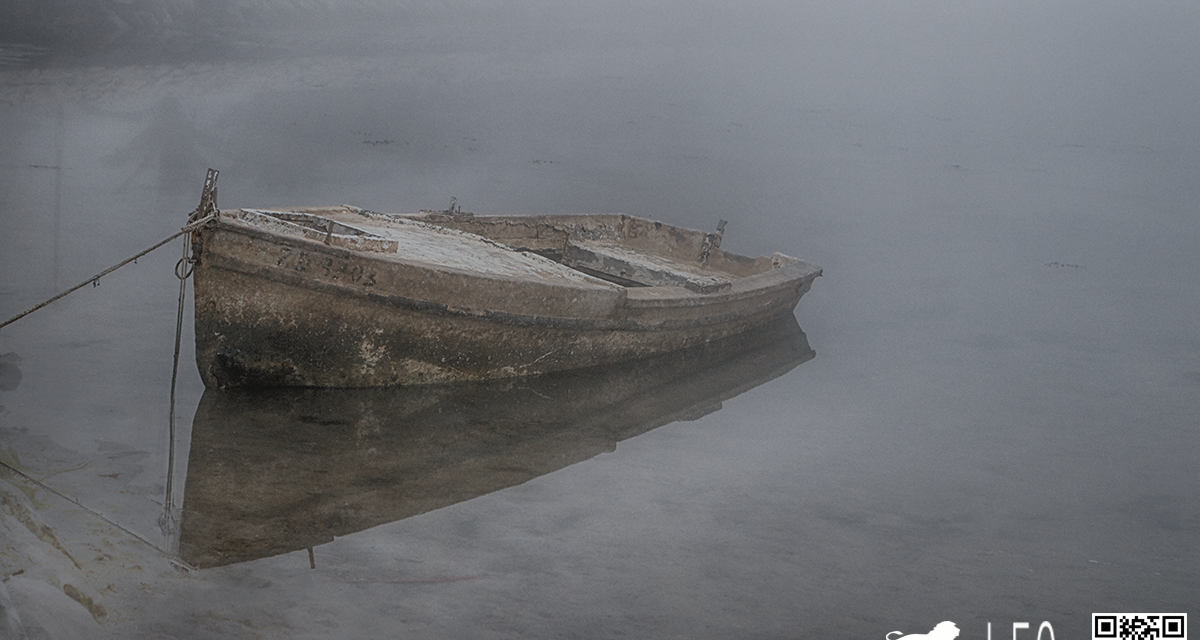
x: 1139, y: 626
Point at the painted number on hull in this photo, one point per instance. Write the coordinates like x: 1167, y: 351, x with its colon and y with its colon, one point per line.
x: 325, y: 267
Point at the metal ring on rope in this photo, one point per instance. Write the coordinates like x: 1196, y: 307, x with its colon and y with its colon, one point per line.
x: 184, y: 272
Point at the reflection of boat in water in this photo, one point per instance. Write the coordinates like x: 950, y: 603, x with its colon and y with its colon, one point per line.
x: 278, y: 470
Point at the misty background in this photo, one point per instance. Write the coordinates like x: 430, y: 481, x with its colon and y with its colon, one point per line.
x: 1001, y: 421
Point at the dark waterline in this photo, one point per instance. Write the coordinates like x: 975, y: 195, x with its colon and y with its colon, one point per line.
x: 1001, y: 424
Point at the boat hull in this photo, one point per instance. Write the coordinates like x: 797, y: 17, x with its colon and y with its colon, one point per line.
x: 282, y: 311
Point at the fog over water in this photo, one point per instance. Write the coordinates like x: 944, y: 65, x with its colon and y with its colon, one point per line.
x: 1001, y: 422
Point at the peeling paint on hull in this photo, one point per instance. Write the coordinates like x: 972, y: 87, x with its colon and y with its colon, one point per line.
x: 431, y: 303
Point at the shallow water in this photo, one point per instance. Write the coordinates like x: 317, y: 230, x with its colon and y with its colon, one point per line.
x: 1000, y: 423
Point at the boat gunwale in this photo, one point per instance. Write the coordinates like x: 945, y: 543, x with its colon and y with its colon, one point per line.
x: 563, y: 223
x: 765, y: 284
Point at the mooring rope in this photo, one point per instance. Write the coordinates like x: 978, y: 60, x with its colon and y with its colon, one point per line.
x: 207, y: 210
x: 183, y: 270
x: 172, y: 557
x: 95, y: 280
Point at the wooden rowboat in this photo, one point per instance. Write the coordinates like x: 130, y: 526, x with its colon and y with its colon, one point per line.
x: 344, y: 297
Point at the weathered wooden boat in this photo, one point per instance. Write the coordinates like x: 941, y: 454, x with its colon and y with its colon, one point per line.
x: 272, y: 471
x: 345, y: 297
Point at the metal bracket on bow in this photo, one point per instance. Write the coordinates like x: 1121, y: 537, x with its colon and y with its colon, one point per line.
x: 208, y: 197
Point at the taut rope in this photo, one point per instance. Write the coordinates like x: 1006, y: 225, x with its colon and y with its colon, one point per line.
x: 95, y: 280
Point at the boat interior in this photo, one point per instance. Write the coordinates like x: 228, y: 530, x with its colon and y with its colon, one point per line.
x: 618, y: 248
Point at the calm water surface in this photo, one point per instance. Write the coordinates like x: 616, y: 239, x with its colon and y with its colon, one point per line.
x: 1001, y: 422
